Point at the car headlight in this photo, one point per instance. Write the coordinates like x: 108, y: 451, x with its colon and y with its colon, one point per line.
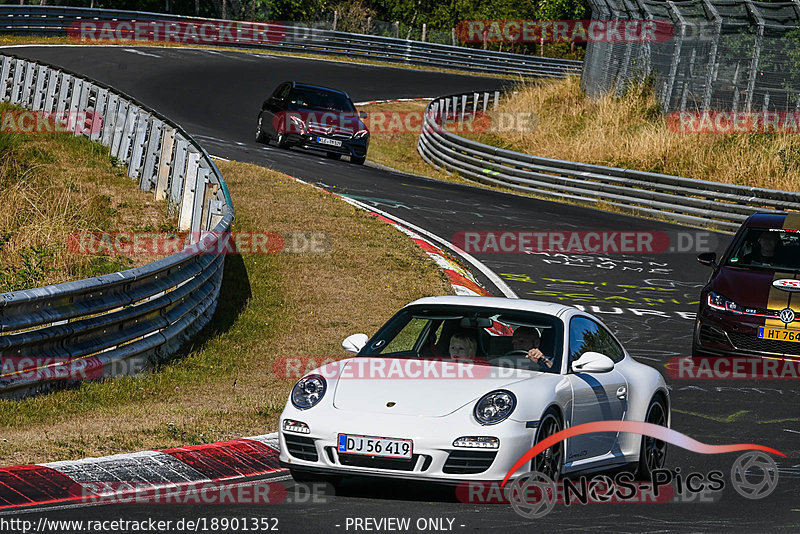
x: 308, y: 391
x: 495, y: 407
x: 721, y: 303
x: 361, y: 133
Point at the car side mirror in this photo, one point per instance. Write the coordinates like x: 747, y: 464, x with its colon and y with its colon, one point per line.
x: 708, y: 258
x: 592, y: 362
x: 355, y: 343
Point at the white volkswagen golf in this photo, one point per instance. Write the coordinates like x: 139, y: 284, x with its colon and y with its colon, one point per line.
x: 459, y: 388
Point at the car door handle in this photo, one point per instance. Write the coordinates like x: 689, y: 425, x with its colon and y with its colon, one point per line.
x: 622, y: 392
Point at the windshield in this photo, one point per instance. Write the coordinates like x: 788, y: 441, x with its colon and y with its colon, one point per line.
x: 306, y: 98
x: 488, y: 336
x: 767, y: 248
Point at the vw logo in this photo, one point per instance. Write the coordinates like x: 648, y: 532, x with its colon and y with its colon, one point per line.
x: 787, y: 315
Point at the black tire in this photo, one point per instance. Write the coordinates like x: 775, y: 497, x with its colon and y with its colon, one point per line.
x: 551, y: 460
x: 333, y: 155
x: 261, y: 137
x: 652, y: 452
x: 281, y: 141
x: 357, y: 160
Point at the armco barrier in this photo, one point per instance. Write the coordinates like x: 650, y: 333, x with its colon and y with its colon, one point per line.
x: 121, y: 322
x: 56, y: 20
x: 673, y: 198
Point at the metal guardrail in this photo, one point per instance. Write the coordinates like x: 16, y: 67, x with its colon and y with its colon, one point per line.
x: 673, y: 198
x: 56, y: 20
x: 117, y: 323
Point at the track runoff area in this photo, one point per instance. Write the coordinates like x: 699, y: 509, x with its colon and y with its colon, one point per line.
x: 643, y: 282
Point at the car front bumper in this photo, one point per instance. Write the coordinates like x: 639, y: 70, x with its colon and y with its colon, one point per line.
x: 434, y: 456
x: 722, y: 334
x: 351, y: 146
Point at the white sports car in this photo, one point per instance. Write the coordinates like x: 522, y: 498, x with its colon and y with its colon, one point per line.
x: 459, y: 388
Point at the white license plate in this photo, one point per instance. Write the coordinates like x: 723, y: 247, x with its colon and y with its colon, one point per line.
x: 331, y: 142
x: 387, y: 447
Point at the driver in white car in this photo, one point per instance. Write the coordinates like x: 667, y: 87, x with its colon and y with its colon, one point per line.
x: 527, y: 338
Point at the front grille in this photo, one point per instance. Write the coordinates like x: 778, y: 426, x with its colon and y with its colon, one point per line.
x: 301, y: 447
x: 397, y: 464
x: 709, y: 334
x: 466, y: 462
x: 755, y: 344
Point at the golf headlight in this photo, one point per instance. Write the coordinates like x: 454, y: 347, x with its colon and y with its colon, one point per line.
x: 308, y: 391
x: 495, y: 407
x: 720, y: 303
x: 359, y: 134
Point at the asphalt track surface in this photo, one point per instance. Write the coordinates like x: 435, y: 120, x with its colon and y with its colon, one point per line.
x: 645, y: 299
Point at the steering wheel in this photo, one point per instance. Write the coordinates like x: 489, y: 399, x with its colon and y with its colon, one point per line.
x: 524, y: 354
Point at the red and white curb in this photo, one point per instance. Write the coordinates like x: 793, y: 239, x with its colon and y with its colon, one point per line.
x: 68, y: 481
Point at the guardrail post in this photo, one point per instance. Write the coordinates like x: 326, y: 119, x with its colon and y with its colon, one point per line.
x: 128, y: 132
x: 200, y: 194
x: 16, y: 88
x: 165, y: 162
x: 50, y: 95
x: 190, y: 188
x: 63, y: 92
x: 496, y: 99
x: 39, y: 92
x: 28, y: 84
x: 149, y: 174
x: 5, y: 70
x: 120, y: 118
x: 485, y: 101
x: 74, y: 102
x: 100, y: 116
x: 178, y: 171
x: 138, y: 141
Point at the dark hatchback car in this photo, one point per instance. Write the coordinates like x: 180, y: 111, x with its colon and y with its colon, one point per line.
x: 751, y: 304
x: 313, y: 117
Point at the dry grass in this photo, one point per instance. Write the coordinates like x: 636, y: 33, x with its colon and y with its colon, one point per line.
x: 57, y: 184
x: 274, y: 306
x: 399, y: 150
x: 631, y: 132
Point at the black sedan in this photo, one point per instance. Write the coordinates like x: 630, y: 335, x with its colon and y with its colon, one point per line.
x: 313, y: 117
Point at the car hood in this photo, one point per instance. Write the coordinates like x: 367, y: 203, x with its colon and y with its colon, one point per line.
x: 370, y: 385
x: 751, y: 288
